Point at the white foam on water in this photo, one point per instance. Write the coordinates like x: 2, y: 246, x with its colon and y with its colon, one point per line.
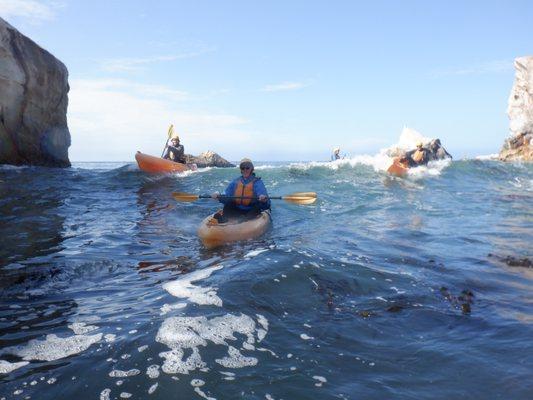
x: 174, y: 363
x: 110, y: 337
x: 53, y: 347
x: 433, y: 168
x: 142, y: 348
x: 321, y: 380
x: 166, y: 308
x: 483, y: 157
x: 254, y: 253
x: 236, y: 360
x: 153, y: 388
x: 197, y: 383
x: 6, y: 367
x: 105, y: 394
x: 153, y: 371
x: 181, y: 333
x: 306, y: 337
x: 117, y: 373
x: 125, y: 395
x: 183, y: 288
x: 81, y: 328
x: 51, y: 381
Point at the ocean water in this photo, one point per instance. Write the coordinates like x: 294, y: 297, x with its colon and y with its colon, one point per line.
x: 385, y: 288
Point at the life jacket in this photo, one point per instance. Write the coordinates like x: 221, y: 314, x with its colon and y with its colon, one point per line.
x: 418, y: 156
x: 244, y: 190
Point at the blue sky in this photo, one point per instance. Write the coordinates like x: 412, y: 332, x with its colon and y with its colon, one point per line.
x: 281, y: 80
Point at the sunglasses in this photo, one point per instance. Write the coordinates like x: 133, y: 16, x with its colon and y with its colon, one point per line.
x: 245, y: 168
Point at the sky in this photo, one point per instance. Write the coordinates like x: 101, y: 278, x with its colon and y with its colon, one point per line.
x: 281, y: 80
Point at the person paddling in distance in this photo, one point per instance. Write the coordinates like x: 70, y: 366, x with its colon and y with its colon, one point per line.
x: 175, y: 151
x: 420, y: 155
x: 336, y: 154
x: 245, y: 197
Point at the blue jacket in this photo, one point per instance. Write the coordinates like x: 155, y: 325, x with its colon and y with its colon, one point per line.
x: 259, y: 189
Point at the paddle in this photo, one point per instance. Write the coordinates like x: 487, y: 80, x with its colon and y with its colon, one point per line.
x: 296, y: 198
x: 170, y: 133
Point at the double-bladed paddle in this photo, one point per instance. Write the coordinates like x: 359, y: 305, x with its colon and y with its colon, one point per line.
x: 297, y: 198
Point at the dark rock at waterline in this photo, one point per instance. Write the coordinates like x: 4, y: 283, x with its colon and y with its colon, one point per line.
x: 33, y: 103
x: 208, y: 159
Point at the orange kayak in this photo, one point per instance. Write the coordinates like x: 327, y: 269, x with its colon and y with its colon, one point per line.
x: 212, y: 234
x: 397, y: 168
x: 149, y: 163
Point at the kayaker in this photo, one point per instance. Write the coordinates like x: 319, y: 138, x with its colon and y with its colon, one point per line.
x: 420, y: 156
x: 175, y: 151
x: 246, y: 185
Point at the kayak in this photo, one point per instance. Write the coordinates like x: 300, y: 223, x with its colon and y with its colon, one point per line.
x: 213, y: 234
x: 397, y: 168
x: 149, y: 163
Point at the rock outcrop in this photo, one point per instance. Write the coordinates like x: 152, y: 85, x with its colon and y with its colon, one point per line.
x: 208, y: 159
x: 33, y: 103
x: 519, y: 145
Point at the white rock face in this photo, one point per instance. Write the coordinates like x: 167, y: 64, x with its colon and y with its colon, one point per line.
x: 520, y: 112
x: 33, y: 103
x: 520, y: 109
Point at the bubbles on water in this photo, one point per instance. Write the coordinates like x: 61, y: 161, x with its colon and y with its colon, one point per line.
x: 53, y: 347
x: 236, y: 360
x: 183, y: 288
x: 7, y: 367
x: 181, y: 333
x: 321, y: 380
x: 153, y: 371
x: 117, y: 373
x: 153, y: 388
x: 80, y: 328
x: 105, y: 394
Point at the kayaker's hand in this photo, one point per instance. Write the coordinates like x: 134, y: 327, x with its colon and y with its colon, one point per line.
x: 262, y: 198
x: 215, y: 195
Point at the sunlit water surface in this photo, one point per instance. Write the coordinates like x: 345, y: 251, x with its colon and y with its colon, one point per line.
x: 385, y: 288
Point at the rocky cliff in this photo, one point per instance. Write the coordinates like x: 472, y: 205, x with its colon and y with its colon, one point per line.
x: 518, y: 146
x: 33, y: 103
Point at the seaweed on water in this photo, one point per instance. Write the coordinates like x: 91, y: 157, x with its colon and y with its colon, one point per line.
x: 511, y: 261
x: 463, y: 302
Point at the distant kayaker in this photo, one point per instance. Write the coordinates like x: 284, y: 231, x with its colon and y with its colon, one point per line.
x: 420, y: 155
x: 245, y: 186
x: 175, y: 151
x: 336, y: 154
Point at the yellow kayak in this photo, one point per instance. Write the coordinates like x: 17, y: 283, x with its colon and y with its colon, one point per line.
x: 213, y: 234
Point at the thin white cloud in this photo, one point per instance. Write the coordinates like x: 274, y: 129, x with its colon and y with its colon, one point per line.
x: 135, y: 64
x: 30, y: 9
x: 284, y: 86
x: 112, y: 119
x: 485, y: 68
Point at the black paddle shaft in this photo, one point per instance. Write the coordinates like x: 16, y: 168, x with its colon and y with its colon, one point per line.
x: 207, y: 196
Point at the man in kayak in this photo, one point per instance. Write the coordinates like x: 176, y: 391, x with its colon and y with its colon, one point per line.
x: 336, y: 155
x: 175, y: 151
x: 241, y: 189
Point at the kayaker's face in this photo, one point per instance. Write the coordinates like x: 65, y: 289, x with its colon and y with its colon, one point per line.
x: 246, y: 171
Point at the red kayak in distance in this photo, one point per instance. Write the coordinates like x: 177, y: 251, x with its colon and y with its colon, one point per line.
x: 148, y: 163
